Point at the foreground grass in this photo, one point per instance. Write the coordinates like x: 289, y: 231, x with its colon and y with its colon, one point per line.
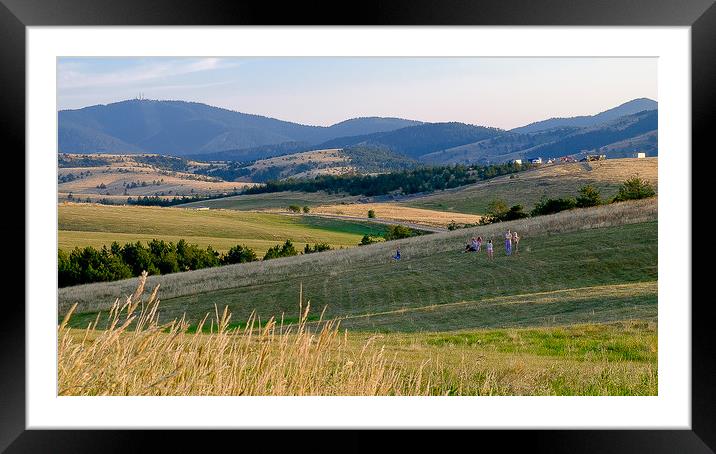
x: 527, y: 188
x: 300, y: 359
x: 97, y: 225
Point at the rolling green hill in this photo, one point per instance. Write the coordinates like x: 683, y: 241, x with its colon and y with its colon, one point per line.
x: 82, y: 225
x: 584, y: 266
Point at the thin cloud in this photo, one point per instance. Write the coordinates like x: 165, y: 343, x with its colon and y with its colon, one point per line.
x: 72, y: 75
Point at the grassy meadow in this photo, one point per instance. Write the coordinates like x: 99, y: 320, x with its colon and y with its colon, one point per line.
x: 276, y: 358
x: 97, y: 225
x: 575, y: 313
x: 551, y: 181
x: 275, y: 200
x: 589, y: 243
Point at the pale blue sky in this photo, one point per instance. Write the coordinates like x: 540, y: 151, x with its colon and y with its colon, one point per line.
x: 500, y: 92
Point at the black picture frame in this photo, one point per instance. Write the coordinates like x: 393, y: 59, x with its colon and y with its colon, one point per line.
x: 16, y: 15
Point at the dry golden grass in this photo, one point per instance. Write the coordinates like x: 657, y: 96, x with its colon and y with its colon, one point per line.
x: 137, y: 355
x: 394, y: 212
x: 328, y: 156
x: 325, y: 162
x: 163, y: 359
x: 552, y: 180
x: 124, y: 169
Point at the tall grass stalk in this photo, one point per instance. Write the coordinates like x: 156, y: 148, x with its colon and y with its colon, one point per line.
x: 137, y: 355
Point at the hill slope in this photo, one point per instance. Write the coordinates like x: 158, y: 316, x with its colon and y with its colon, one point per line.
x: 363, y: 283
x: 181, y: 128
x: 553, y: 181
x: 618, y: 137
x: 416, y: 141
x: 97, y: 225
x: 628, y: 108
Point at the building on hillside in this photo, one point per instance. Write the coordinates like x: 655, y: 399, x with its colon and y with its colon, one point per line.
x: 535, y: 160
x: 567, y: 159
x: 516, y: 161
x: 550, y: 161
x: 640, y: 154
x: 595, y: 157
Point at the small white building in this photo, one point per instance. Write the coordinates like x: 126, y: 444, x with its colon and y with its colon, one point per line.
x: 535, y: 160
x: 517, y: 161
x: 640, y: 154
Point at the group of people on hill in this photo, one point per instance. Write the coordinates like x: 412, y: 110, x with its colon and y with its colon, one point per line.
x: 512, y: 242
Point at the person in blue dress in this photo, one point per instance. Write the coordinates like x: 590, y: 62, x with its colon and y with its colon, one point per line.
x: 397, y: 254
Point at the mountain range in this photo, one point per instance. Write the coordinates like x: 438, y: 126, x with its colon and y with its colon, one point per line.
x: 205, y: 132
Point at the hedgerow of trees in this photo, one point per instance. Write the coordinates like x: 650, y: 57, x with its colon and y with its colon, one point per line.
x: 423, y: 179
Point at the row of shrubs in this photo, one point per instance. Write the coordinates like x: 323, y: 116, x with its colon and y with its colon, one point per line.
x: 632, y: 189
x: 85, y: 265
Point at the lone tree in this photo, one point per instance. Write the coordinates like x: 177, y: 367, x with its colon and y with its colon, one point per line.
x: 306, y: 209
x: 588, y: 197
x: 396, y: 232
x: 294, y: 208
x: 633, y: 189
x: 371, y: 213
x: 497, y: 208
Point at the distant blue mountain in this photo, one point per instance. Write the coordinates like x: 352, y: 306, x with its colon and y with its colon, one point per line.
x: 620, y: 137
x: 181, y: 128
x: 628, y: 108
x: 207, y: 133
x: 415, y: 141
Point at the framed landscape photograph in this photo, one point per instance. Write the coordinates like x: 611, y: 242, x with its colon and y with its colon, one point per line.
x: 417, y: 221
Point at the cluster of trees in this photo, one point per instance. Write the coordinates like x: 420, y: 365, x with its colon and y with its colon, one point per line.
x: 318, y: 247
x: 423, y: 179
x: 143, y: 184
x: 377, y: 158
x: 64, y: 160
x: 120, y: 262
x: 394, y: 232
x: 164, y: 162
x: 298, y: 209
x: 286, y: 249
x: 588, y: 196
x: 228, y: 172
x: 72, y: 177
x: 162, y: 202
x: 85, y: 265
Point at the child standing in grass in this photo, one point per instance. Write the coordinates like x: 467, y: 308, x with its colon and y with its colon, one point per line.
x: 489, y: 249
x: 397, y: 254
x: 516, y: 242
x: 508, y: 242
x: 479, y: 243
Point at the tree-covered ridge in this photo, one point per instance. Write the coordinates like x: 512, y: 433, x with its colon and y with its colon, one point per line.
x: 377, y: 158
x: 423, y: 179
x: 416, y: 141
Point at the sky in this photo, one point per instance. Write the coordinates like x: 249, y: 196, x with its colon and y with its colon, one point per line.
x: 498, y: 92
